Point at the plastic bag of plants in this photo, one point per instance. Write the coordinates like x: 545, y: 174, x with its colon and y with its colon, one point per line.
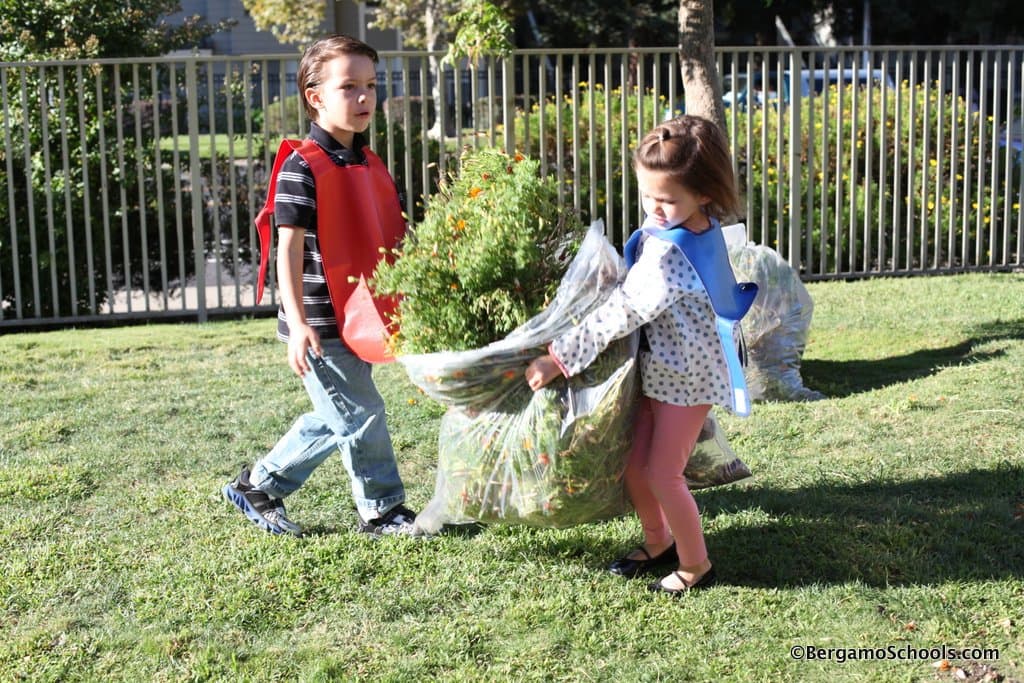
x: 496, y: 269
x: 555, y: 457
x: 776, y: 327
x: 550, y: 458
x: 713, y: 462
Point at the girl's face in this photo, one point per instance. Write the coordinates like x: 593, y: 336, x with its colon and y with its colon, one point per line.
x: 346, y: 96
x: 669, y: 203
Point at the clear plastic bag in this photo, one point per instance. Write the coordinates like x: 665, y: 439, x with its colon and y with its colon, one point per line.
x: 776, y: 327
x: 550, y: 458
x: 555, y: 457
x: 713, y: 462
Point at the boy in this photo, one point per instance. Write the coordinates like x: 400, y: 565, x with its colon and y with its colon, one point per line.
x: 336, y: 208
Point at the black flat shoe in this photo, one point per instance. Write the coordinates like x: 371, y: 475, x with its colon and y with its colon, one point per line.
x: 630, y: 568
x: 703, y: 582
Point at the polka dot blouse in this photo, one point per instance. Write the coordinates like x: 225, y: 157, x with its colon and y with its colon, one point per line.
x: 686, y: 364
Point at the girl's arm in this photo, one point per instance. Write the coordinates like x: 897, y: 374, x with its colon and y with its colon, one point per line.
x: 301, y: 337
x: 657, y: 280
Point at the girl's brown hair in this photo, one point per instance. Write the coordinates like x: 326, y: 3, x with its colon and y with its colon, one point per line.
x: 694, y: 152
x: 311, y: 68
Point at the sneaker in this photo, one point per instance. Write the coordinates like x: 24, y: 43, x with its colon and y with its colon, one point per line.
x: 398, y: 521
x: 266, y: 512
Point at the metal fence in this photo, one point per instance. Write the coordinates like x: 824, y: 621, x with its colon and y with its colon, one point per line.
x: 130, y: 186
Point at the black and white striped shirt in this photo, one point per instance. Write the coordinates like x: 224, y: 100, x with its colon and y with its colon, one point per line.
x: 295, y: 204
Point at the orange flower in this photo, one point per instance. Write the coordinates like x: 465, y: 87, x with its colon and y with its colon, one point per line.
x: 461, y: 225
x: 543, y: 459
x: 474, y: 191
x: 454, y: 285
x: 509, y: 374
x: 519, y: 157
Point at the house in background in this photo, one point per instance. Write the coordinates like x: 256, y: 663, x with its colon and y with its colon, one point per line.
x: 342, y: 16
x: 244, y: 39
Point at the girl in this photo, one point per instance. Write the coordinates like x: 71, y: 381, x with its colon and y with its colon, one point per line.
x: 680, y: 290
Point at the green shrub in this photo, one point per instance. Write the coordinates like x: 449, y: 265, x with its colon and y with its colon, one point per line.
x: 840, y: 207
x: 876, y: 158
x: 284, y: 118
x: 488, y: 255
x: 94, y: 233
x: 579, y: 150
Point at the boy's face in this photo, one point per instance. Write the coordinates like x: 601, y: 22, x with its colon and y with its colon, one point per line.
x: 346, y: 97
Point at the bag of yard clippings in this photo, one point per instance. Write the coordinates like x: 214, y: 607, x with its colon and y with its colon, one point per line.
x: 775, y: 328
x: 555, y: 457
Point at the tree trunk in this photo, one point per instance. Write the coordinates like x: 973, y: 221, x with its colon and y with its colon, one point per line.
x: 702, y: 89
x: 433, y: 40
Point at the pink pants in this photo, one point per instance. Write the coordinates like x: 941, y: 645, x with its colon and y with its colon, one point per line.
x: 663, y: 438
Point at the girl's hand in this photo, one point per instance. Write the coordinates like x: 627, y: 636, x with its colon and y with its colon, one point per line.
x: 541, y: 371
x: 302, y: 338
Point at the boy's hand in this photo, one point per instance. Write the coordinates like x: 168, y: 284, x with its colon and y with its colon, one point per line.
x: 541, y: 371
x: 302, y: 338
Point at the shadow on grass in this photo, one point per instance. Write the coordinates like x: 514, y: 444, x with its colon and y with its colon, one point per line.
x: 843, y: 378
x: 965, y: 526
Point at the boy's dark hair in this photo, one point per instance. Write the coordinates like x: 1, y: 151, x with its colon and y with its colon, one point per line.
x: 694, y: 152
x: 311, y: 67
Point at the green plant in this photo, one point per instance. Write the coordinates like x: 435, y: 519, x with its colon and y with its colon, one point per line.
x: 483, y: 30
x: 913, y: 152
x: 79, y: 226
x: 877, y: 158
x: 85, y: 213
x: 488, y: 255
x: 596, y: 141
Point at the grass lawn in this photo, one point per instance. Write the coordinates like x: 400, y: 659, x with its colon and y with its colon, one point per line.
x: 890, y: 515
x: 221, y: 143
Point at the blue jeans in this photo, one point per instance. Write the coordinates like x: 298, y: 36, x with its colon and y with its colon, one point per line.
x: 347, y: 415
